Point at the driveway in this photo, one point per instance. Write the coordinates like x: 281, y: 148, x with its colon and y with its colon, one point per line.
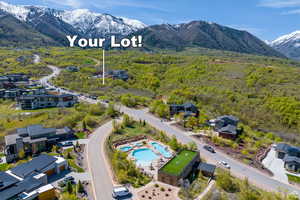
x: 276, y: 166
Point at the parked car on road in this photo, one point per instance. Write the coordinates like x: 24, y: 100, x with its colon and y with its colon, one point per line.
x: 209, y: 148
x: 65, y: 144
x: 224, y: 164
x: 120, y: 192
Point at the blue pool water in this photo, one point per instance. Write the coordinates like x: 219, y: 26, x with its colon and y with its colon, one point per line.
x: 144, y: 156
x: 125, y: 149
x: 162, y: 149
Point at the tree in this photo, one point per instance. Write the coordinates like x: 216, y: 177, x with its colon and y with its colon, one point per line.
x: 80, y: 188
x: 69, y: 187
x: 192, y: 122
x: 21, y: 154
x: 192, y: 146
x: 111, y: 112
x: 127, y: 121
x: 226, y: 182
x: 84, y: 125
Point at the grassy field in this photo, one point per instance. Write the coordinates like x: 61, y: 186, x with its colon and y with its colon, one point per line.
x: 178, y: 163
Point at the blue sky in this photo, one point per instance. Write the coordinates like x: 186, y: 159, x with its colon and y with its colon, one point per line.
x: 266, y: 19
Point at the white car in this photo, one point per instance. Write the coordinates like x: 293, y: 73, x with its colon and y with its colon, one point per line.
x: 120, y: 192
x: 225, y: 164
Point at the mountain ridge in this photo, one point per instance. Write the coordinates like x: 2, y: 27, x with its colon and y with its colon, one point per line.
x: 55, y: 24
x: 288, y: 44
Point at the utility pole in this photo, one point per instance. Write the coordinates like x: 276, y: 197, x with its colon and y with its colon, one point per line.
x: 103, y: 67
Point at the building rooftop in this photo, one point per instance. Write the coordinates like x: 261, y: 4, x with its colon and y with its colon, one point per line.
x: 7, y: 180
x: 177, y: 164
x: 230, y: 129
x: 288, y: 158
x: 34, y: 130
x: 230, y: 117
x: 27, y: 185
x: 207, y: 167
x: 35, y: 165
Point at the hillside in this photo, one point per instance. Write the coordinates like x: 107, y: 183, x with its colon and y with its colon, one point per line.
x: 263, y: 92
x: 15, y: 33
x: 206, y: 35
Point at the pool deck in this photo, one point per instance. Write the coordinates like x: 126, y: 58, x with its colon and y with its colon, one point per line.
x: 153, y: 167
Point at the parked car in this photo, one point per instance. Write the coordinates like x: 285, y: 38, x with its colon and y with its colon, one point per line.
x: 65, y: 144
x: 120, y: 192
x: 209, y: 148
x: 69, y: 178
x: 225, y: 164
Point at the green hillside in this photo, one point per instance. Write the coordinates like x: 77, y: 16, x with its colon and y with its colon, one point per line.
x: 262, y: 91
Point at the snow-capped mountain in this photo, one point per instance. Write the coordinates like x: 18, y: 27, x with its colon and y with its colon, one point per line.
x: 85, y: 22
x: 288, y: 44
x: 94, y: 24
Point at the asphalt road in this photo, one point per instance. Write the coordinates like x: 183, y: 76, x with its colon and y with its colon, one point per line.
x: 101, y: 178
x: 103, y: 185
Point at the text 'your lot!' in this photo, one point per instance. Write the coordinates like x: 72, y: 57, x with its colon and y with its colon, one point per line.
x: 135, y: 41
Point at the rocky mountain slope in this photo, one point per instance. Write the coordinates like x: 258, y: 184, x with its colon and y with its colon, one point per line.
x: 53, y: 25
x: 288, y: 45
x: 204, y: 34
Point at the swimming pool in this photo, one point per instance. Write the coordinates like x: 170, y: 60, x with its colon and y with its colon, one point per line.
x: 126, y: 148
x: 144, y: 156
x: 162, y: 149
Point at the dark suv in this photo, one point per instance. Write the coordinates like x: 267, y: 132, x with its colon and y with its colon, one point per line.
x: 209, y: 148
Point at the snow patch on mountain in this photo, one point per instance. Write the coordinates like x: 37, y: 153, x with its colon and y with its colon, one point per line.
x: 88, y: 23
x: 91, y: 23
x: 294, y: 36
x: 20, y: 12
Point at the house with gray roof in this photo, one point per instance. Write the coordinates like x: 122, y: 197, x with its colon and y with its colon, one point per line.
x: 225, y: 126
x: 290, y: 156
x: 33, y: 139
x: 32, y: 102
x: 30, y: 180
x: 188, y: 110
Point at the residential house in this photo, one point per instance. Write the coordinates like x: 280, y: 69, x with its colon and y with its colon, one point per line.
x: 290, y: 155
x: 225, y: 126
x: 29, y: 180
x: 33, y: 140
x: 188, y: 110
x: 32, y: 102
x: 118, y: 74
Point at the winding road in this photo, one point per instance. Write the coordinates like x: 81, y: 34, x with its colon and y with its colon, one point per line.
x: 101, y: 179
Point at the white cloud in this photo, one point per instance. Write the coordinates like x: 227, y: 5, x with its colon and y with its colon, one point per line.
x: 69, y: 3
x: 292, y: 12
x: 279, y: 3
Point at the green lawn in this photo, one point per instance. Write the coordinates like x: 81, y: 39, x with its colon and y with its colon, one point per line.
x: 178, y: 163
x: 292, y: 178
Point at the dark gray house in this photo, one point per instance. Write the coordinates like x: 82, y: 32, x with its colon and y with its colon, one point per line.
x: 29, y: 180
x: 33, y: 139
x: 290, y: 155
x: 32, y: 102
x: 188, y: 109
x: 118, y: 74
x: 225, y: 126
